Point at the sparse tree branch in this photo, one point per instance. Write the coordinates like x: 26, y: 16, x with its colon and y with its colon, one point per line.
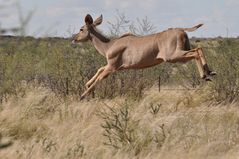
x: 122, y: 24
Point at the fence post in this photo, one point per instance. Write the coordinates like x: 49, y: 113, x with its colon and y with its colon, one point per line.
x: 67, y: 86
x: 159, y: 83
x: 93, y: 93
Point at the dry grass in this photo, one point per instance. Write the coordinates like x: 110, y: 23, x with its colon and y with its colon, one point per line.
x: 169, y: 124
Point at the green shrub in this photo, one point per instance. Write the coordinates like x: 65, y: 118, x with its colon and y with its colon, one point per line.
x: 225, y: 60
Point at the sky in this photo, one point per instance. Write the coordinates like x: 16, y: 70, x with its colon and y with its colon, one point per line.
x: 64, y: 17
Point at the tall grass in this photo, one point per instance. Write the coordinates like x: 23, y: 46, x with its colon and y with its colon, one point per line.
x: 40, y: 125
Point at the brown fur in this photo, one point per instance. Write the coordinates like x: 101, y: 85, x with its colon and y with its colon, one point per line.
x: 137, y: 52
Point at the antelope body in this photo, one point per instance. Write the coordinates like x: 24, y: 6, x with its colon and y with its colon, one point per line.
x: 135, y: 52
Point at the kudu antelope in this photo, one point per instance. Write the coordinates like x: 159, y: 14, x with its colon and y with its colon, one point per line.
x: 136, y: 52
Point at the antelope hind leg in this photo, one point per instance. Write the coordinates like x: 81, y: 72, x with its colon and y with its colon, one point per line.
x: 193, y: 54
x: 204, y: 63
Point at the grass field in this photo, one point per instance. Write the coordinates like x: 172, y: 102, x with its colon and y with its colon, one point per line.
x: 41, y: 115
x: 169, y: 124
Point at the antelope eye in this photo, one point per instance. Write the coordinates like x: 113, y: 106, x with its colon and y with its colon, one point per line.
x: 81, y: 29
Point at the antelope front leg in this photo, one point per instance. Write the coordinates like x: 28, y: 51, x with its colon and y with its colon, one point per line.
x: 101, y: 76
x: 87, y: 85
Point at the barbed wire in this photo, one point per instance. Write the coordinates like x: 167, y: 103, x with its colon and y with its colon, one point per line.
x: 180, y: 89
x: 188, y: 89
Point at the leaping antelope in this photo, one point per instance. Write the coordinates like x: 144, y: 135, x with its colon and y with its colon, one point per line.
x: 136, y: 52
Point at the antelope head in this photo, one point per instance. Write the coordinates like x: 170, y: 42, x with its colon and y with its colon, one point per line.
x: 86, y: 30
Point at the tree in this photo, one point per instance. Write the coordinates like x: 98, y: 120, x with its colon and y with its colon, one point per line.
x: 24, y: 20
x: 123, y: 24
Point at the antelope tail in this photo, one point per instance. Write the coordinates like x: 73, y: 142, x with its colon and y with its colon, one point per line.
x: 193, y: 28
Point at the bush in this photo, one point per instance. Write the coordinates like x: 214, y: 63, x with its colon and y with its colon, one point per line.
x: 225, y: 60
x: 119, y: 128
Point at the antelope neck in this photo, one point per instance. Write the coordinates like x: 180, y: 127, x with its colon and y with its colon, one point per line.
x: 100, y: 42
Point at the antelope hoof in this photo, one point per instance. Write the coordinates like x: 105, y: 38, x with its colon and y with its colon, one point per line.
x: 82, y: 97
x: 212, y: 73
x: 208, y: 79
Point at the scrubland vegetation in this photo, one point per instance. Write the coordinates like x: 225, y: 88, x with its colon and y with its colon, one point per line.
x: 126, y: 116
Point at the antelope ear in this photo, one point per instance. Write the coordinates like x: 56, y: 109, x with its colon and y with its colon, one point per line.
x: 88, y: 19
x: 98, y: 21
